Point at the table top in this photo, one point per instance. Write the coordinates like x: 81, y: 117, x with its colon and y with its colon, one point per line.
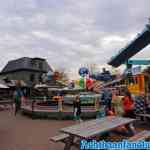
x: 5, y: 101
x: 95, y: 127
x: 143, y: 115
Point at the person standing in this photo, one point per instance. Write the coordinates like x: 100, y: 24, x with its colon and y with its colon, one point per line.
x: 106, y: 99
x: 77, y: 108
x: 117, y: 103
x: 17, y: 99
x: 128, y: 105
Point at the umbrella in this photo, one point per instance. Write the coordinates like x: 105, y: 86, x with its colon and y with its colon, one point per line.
x: 3, y: 86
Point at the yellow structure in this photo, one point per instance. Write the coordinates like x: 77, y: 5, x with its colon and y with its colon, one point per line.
x: 136, y: 84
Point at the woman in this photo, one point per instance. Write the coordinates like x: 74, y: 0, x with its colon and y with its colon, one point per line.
x: 77, y: 108
x: 117, y: 103
x: 17, y: 99
x: 128, y: 105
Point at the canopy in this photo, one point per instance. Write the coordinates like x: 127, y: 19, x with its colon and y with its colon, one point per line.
x: 2, y: 86
x: 41, y: 86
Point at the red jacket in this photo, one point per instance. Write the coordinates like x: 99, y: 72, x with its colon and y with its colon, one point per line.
x: 128, y: 103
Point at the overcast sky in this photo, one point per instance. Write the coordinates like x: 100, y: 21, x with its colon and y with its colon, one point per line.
x: 70, y: 33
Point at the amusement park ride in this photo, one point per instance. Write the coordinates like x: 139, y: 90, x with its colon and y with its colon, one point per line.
x: 136, y: 45
x: 136, y: 83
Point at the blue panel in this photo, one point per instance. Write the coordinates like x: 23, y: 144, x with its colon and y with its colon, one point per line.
x: 139, y: 62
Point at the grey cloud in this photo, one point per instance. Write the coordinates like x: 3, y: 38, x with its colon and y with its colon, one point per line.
x: 69, y: 33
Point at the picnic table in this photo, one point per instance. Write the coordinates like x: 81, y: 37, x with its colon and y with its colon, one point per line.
x: 93, y: 128
x: 2, y: 102
x: 6, y: 102
x: 143, y: 116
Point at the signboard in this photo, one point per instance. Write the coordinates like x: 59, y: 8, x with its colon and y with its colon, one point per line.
x: 133, y: 71
x: 136, y: 70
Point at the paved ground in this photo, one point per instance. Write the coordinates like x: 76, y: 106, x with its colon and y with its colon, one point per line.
x: 23, y: 133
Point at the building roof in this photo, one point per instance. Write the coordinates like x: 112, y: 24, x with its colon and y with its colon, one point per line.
x: 25, y: 63
x: 142, y: 40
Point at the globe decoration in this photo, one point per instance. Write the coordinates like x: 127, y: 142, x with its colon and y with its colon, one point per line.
x: 83, y: 71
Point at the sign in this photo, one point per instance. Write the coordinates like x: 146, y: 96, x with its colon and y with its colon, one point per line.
x: 127, y: 71
x: 136, y: 70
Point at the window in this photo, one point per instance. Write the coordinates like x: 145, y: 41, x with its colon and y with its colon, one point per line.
x: 33, y: 63
x: 40, y: 78
x: 41, y: 65
x: 32, y: 77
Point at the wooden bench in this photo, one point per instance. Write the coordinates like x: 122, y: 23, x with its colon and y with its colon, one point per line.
x: 6, y: 102
x: 65, y: 138
x: 60, y: 138
x: 143, y: 116
x: 3, y: 102
x: 143, y: 135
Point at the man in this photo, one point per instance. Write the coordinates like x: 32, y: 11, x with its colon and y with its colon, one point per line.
x: 106, y: 98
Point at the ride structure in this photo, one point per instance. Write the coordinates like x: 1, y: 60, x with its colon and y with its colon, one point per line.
x: 135, y: 46
x: 136, y: 81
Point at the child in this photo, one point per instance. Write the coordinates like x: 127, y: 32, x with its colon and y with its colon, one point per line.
x: 77, y: 108
x: 117, y: 103
x: 101, y: 112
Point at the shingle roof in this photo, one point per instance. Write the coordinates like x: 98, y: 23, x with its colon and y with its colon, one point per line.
x: 25, y: 63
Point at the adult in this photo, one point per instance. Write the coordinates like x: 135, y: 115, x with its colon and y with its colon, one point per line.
x: 106, y: 99
x: 117, y: 103
x: 17, y: 99
x: 128, y: 105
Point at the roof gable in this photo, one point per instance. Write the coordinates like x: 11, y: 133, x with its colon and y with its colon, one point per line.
x: 26, y: 63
